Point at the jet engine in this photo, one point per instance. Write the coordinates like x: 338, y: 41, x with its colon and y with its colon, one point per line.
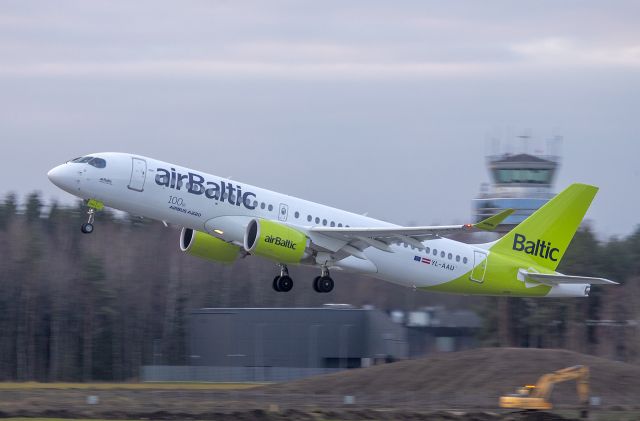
x: 275, y: 241
x: 203, y: 245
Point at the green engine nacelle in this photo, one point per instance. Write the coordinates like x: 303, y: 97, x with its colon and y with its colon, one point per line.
x: 203, y: 245
x: 275, y: 241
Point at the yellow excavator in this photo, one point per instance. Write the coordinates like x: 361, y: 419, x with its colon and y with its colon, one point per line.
x: 536, y: 397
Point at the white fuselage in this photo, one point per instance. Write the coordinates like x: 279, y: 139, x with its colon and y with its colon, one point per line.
x: 177, y: 195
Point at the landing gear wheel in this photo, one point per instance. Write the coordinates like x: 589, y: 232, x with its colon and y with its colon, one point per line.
x: 325, y: 284
x: 284, y: 283
x: 316, y: 284
x: 86, y: 228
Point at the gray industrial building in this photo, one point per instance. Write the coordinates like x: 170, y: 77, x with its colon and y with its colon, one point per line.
x: 278, y: 344
x: 294, y: 337
x: 436, y: 329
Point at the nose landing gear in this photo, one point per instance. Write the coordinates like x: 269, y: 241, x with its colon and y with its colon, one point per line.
x: 94, y: 206
x: 283, y: 282
x: 87, y: 228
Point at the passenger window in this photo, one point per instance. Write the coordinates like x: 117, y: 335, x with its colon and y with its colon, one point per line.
x: 457, y: 258
x: 262, y: 205
x: 333, y: 224
x: 340, y: 224
x: 270, y: 208
x: 465, y: 260
x: 309, y: 218
x: 297, y: 214
x: 442, y: 254
x: 427, y: 250
x: 450, y: 256
x: 324, y: 222
x: 317, y: 220
x: 435, y: 252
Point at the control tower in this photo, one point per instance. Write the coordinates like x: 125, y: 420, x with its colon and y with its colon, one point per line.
x: 521, y: 181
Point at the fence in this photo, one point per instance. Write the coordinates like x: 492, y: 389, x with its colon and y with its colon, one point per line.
x: 166, y: 373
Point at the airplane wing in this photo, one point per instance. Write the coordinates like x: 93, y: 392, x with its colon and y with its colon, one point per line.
x: 382, y: 237
x: 556, y: 279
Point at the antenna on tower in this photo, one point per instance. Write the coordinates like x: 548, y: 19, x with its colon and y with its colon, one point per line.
x: 525, y: 143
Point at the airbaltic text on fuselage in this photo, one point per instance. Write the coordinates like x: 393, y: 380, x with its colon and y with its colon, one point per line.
x: 196, y: 184
x: 537, y: 248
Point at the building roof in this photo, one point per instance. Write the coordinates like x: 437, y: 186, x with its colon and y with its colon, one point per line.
x: 522, y: 157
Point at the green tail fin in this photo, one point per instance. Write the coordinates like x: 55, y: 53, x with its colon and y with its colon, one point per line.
x: 543, y: 237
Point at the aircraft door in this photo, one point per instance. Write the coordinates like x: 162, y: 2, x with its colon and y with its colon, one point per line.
x: 480, y: 258
x: 283, y: 213
x: 138, y: 174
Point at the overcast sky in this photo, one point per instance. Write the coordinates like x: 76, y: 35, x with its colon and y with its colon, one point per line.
x: 379, y: 107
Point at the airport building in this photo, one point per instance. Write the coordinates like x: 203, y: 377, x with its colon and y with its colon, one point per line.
x: 279, y: 344
x: 437, y: 329
x: 331, y: 337
x: 523, y: 182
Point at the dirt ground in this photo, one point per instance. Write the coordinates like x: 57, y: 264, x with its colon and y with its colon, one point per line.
x: 453, y: 386
x: 475, y: 378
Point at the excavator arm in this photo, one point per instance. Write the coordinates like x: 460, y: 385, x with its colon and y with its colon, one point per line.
x: 580, y: 373
x: 537, y: 397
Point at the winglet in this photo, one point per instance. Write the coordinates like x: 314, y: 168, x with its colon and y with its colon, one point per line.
x: 492, y: 222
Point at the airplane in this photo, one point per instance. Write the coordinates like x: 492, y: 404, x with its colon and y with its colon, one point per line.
x: 223, y: 219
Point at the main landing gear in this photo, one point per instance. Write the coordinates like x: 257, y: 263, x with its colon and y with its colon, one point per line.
x: 321, y: 284
x: 283, y: 282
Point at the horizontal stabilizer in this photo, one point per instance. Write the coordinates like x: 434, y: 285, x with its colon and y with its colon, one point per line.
x: 556, y: 279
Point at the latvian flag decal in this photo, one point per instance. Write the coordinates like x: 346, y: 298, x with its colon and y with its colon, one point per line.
x: 422, y: 259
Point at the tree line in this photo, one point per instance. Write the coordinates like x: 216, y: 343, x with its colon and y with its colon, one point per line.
x: 78, y: 307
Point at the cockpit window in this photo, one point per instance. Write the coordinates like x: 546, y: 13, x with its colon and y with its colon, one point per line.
x: 82, y: 159
x: 91, y: 160
x: 98, y: 162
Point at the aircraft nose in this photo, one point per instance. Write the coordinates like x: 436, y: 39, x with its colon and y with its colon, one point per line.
x: 58, y: 175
